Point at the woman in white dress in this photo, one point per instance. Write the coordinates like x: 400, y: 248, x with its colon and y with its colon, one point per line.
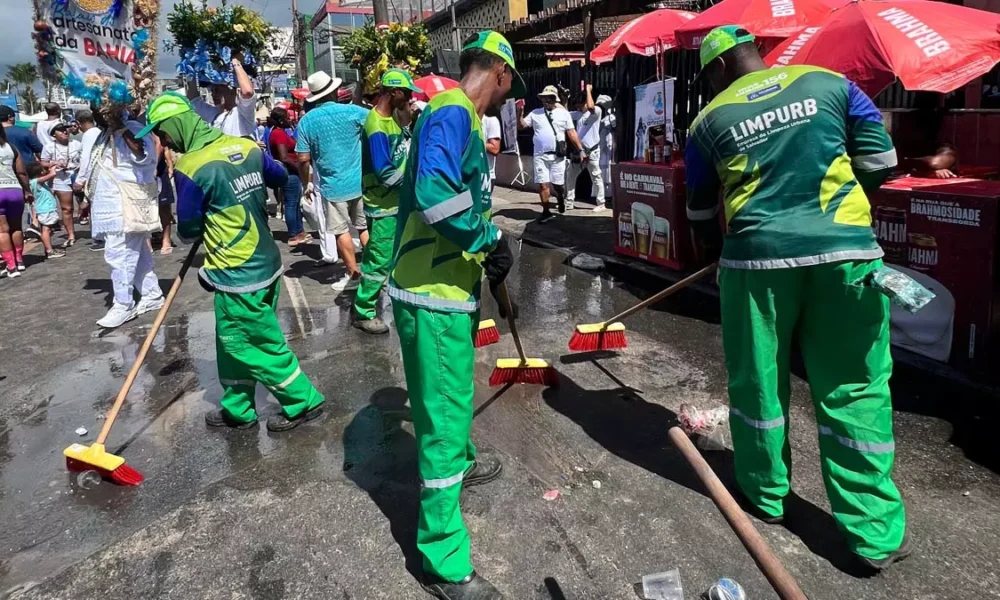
x: 124, y: 171
x: 64, y: 153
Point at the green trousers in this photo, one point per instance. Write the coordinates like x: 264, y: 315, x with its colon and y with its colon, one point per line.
x: 251, y: 349
x: 375, y: 265
x: 843, y: 331
x: 439, y: 359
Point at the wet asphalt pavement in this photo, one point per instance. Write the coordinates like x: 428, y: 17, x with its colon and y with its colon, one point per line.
x: 329, y: 510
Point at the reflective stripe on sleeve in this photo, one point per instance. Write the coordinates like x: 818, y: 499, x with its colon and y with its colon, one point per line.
x: 394, y: 179
x: 756, y: 424
x: 447, y: 482
x: 871, y: 447
x: 451, y: 206
x: 875, y: 162
x: 373, y: 277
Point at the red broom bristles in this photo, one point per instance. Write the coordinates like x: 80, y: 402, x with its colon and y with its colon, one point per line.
x: 601, y: 340
x: 486, y: 336
x: 546, y: 376
x: 123, y: 475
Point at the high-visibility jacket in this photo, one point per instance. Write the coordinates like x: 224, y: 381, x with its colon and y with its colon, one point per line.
x: 383, y: 159
x: 443, y: 231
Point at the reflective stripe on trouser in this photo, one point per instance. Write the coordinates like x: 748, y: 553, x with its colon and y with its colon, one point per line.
x: 375, y: 265
x: 251, y: 348
x: 843, y: 331
x: 439, y: 360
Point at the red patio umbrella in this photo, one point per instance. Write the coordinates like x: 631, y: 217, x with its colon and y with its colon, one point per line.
x: 643, y: 35
x: 763, y: 18
x: 433, y: 85
x: 929, y: 46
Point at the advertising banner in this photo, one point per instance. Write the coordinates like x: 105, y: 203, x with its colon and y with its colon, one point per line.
x: 944, y: 236
x: 508, y: 120
x: 649, y: 213
x: 93, y: 36
x: 653, y: 108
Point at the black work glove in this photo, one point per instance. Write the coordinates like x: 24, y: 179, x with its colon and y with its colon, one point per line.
x: 497, y: 265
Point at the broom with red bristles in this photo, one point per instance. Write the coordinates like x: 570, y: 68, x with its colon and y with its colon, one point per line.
x: 522, y: 369
x: 486, y: 334
x: 95, y: 457
x: 610, y: 334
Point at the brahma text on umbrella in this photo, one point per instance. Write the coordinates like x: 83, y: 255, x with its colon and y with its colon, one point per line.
x: 928, y: 40
x: 782, y: 8
x: 788, y: 54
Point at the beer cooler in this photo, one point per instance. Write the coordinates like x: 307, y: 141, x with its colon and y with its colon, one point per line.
x: 650, y: 214
x: 944, y: 235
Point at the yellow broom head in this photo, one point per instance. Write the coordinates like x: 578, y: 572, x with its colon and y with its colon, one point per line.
x: 600, y: 327
x: 487, y: 324
x: 515, y: 363
x: 94, y: 455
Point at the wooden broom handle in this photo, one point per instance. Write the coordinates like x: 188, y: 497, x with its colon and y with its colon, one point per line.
x: 680, y: 285
x: 505, y: 298
x: 141, y: 357
x: 769, y: 564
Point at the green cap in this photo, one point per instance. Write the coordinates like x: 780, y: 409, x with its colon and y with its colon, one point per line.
x: 164, y: 106
x: 721, y: 39
x: 398, y: 78
x: 495, y: 43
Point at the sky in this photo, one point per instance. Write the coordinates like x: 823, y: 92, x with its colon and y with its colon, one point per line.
x: 19, y: 47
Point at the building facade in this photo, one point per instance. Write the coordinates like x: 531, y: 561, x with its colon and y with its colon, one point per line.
x: 470, y: 16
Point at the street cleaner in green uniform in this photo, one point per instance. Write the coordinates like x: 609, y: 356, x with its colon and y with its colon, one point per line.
x: 794, y: 150
x: 383, y: 156
x: 444, y: 242
x: 221, y: 198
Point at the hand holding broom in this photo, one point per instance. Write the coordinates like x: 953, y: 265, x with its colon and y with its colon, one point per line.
x: 610, y: 334
x: 94, y: 457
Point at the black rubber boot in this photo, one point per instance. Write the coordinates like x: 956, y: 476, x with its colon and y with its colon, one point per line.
x: 221, y: 418
x: 484, y: 470
x: 280, y: 422
x: 751, y: 509
x: 472, y: 587
x: 374, y: 326
x: 884, y: 563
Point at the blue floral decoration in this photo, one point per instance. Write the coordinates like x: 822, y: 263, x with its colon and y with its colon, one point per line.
x: 118, y: 93
x: 139, y: 39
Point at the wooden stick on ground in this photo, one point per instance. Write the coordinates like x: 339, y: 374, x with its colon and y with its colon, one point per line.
x: 769, y: 564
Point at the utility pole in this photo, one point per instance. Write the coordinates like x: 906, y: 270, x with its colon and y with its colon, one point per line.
x: 298, y: 44
x: 381, y: 10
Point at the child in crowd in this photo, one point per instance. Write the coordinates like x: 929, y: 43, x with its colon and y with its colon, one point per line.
x: 45, y: 209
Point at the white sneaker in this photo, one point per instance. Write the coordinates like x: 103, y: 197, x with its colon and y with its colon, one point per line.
x: 570, y: 204
x: 147, y: 304
x: 21, y: 267
x: 600, y: 207
x: 118, y: 315
x: 13, y: 274
x: 345, y: 283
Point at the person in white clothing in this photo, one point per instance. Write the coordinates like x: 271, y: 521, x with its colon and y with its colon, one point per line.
x: 608, y: 124
x: 234, y: 110
x: 491, y: 134
x: 89, y: 134
x: 553, y: 128
x: 587, y: 118
x: 64, y: 153
x: 124, y: 170
x: 43, y: 129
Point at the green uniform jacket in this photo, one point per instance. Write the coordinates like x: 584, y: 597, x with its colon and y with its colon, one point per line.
x: 222, y: 198
x: 443, y: 230
x: 382, y: 161
x: 793, y: 149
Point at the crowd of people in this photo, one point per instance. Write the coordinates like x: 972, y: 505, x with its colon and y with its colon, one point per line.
x: 414, y: 182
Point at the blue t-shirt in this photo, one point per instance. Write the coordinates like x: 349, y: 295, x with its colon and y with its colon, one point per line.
x: 26, y: 143
x: 331, y: 134
x: 45, y: 200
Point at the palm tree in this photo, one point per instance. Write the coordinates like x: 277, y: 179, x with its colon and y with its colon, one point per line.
x: 24, y: 74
